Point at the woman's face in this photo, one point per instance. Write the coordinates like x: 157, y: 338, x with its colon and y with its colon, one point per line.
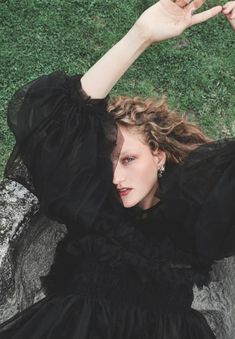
x: 135, y: 169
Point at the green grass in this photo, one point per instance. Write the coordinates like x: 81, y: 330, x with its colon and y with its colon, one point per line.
x: 196, y: 71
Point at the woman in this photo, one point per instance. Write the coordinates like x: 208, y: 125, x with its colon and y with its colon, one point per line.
x: 123, y: 272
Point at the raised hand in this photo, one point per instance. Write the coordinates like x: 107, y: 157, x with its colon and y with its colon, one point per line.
x: 229, y: 12
x: 159, y: 22
x: 167, y: 19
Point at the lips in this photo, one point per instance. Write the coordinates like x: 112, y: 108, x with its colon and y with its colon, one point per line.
x: 124, y: 191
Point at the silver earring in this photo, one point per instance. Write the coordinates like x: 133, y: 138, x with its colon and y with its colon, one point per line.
x: 161, y: 171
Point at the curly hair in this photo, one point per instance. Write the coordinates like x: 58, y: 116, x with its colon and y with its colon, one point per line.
x: 161, y: 127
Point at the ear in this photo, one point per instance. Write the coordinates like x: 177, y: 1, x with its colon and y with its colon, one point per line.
x: 159, y: 158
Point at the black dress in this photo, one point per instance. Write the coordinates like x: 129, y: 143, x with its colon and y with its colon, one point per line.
x: 119, y: 273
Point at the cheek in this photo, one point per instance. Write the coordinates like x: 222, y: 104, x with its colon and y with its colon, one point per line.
x: 145, y: 173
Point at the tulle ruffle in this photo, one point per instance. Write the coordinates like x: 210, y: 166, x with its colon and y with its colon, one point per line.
x: 64, y: 138
x: 84, y: 317
x: 197, y: 201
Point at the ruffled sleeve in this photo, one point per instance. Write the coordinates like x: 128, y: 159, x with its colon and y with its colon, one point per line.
x: 198, y: 201
x: 64, y: 139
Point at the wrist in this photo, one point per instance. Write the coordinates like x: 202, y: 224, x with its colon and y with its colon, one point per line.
x: 138, y: 38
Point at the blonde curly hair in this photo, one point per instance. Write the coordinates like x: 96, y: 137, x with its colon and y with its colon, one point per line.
x: 161, y: 127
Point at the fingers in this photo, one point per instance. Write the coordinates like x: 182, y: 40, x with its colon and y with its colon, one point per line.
x: 206, y: 15
x: 231, y: 16
x: 194, y: 5
x: 182, y: 3
x: 229, y: 9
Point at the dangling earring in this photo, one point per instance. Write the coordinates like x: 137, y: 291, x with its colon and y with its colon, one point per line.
x: 161, y: 171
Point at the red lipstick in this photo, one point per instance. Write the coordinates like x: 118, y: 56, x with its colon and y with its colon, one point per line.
x: 124, y: 191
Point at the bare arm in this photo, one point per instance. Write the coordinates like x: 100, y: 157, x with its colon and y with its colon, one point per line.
x: 159, y: 22
x: 100, y: 78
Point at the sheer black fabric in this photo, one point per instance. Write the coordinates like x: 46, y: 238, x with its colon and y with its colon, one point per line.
x: 202, y: 191
x: 61, y: 133
x: 119, y: 273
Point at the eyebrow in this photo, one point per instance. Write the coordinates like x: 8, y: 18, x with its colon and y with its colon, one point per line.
x: 126, y: 152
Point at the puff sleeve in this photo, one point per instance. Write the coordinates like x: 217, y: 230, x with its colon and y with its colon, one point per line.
x: 199, y: 201
x: 64, y: 139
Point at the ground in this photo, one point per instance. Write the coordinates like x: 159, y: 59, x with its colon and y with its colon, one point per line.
x: 195, y: 71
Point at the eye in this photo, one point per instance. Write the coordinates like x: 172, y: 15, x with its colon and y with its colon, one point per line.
x: 128, y: 159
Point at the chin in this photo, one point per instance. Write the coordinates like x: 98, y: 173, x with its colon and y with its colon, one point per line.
x: 129, y: 204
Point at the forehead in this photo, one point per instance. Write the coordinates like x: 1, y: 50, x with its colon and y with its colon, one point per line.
x: 128, y: 141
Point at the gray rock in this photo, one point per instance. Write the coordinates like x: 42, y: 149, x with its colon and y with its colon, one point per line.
x: 217, y: 301
x: 27, y: 245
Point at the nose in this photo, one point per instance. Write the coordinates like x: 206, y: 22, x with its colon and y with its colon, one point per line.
x: 118, y: 174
